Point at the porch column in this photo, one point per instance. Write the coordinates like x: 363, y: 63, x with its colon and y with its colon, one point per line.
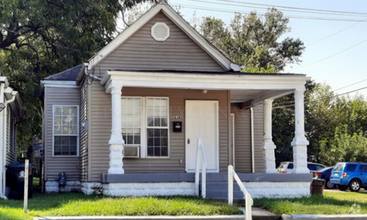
x: 299, y: 142
x: 269, y: 145
x: 116, y: 142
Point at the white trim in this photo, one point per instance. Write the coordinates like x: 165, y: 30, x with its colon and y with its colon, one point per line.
x: 178, y: 20
x: 160, y: 38
x: 53, y: 131
x: 203, y: 81
x: 144, y: 127
x: 217, y: 133
x: 59, y: 84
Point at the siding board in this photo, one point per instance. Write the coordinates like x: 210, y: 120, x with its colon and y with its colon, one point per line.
x: 243, y: 160
x: 141, y: 52
x: 101, y: 130
x: 54, y: 165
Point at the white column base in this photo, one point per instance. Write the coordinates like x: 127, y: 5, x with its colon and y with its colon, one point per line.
x: 299, y: 144
x: 116, y: 155
x: 269, y: 158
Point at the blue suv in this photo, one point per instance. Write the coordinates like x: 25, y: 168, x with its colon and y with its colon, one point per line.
x: 350, y: 174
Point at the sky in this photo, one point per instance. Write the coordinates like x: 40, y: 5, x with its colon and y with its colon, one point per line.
x: 336, y: 42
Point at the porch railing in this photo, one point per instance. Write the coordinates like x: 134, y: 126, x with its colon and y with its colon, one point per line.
x: 248, y: 200
x: 200, y: 163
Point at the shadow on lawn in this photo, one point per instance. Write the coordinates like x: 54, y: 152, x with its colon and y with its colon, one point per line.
x: 43, y: 202
x: 280, y: 206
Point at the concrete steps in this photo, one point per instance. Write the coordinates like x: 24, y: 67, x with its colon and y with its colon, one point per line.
x: 219, y: 190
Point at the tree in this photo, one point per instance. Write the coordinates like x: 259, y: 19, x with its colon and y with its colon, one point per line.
x: 42, y: 37
x: 253, y: 40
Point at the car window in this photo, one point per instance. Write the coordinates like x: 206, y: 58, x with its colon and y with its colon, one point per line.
x: 362, y: 168
x: 351, y: 167
x: 311, y: 166
x: 338, y: 167
x: 290, y: 166
x: 318, y: 167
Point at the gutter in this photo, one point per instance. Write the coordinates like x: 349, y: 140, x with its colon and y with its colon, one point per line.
x: 252, y: 141
x: 4, y: 131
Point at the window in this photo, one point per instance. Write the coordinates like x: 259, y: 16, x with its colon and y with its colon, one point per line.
x: 131, y: 121
x: 351, y: 167
x: 65, y: 130
x: 362, y: 168
x: 145, y: 124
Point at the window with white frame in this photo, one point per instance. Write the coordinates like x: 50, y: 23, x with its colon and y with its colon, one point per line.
x: 131, y: 120
x: 151, y: 133
x: 65, y: 130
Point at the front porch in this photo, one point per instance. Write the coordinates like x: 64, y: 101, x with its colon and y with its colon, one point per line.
x: 270, y: 185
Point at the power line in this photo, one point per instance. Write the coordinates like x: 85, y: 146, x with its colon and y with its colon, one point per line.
x: 295, y: 8
x: 248, y: 12
x: 241, y: 4
x: 334, y: 96
x: 332, y: 55
x: 335, y: 33
x: 351, y: 85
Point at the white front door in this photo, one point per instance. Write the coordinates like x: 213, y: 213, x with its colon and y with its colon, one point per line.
x: 202, y: 121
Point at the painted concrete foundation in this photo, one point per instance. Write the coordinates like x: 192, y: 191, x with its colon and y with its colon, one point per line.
x: 149, y: 189
x: 278, y: 189
x: 53, y: 187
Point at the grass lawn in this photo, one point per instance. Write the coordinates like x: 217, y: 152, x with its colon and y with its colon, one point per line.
x: 77, y: 204
x: 335, y: 202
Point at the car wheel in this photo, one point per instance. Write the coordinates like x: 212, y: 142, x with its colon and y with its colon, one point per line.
x: 329, y: 185
x: 355, y: 185
x: 342, y: 187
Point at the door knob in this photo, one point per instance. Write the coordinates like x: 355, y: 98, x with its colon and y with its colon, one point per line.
x: 188, y: 141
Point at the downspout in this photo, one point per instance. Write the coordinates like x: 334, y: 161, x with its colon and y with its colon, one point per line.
x: 252, y: 141
x: 2, y: 168
x: 13, y: 94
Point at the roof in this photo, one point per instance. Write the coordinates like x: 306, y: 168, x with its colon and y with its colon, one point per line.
x: 67, y: 75
x: 179, y: 21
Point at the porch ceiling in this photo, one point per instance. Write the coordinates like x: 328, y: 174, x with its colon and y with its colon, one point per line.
x: 253, y: 97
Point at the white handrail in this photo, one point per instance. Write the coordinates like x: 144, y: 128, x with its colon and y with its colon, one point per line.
x: 200, y: 160
x: 248, y: 200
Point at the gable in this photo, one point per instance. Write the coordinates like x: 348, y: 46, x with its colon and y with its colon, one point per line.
x: 142, y: 52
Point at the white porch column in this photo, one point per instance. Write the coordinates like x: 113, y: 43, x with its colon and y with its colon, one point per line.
x: 116, y: 142
x: 269, y: 145
x: 299, y: 142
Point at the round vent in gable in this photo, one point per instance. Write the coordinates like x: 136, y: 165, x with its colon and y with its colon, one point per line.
x: 160, y: 31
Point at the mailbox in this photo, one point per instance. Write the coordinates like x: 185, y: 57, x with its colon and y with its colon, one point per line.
x: 177, y: 126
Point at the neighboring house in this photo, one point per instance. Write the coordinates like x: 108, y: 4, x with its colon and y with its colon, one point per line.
x: 127, y: 122
x: 11, y: 114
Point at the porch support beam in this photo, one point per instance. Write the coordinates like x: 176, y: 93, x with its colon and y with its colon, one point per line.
x: 116, y: 142
x: 269, y: 145
x: 299, y: 142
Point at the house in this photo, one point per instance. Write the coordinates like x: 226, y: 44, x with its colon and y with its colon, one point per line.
x: 11, y: 114
x: 127, y: 122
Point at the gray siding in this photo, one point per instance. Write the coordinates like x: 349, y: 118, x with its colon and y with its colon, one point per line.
x: 142, y: 52
x: 84, y: 131
x: 101, y: 130
x: 259, y: 137
x: 54, y: 165
x: 242, y: 139
x: 10, y: 137
x: 243, y: 160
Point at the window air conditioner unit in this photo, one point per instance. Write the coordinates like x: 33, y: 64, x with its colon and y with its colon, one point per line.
x: 131, y: 151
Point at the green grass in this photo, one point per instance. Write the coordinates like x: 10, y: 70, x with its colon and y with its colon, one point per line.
x: 331, y: 203
x: 36, y: 181
x: 64, y: 204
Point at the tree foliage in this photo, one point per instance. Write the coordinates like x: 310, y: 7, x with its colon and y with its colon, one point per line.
x: 254, y: 41
x: 42, y: 37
